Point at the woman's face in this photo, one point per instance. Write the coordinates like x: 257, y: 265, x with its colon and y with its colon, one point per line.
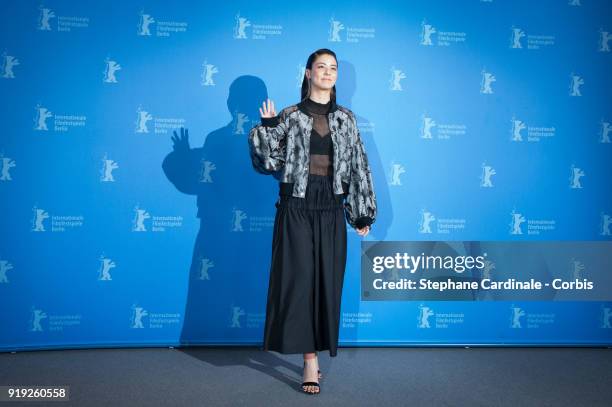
x: 324, y: 72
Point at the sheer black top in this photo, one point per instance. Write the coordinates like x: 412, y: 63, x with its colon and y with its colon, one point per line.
x: 321, y: 146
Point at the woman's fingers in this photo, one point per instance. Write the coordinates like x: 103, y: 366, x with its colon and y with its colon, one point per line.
x: 268, y: 109
x: 363, y: 231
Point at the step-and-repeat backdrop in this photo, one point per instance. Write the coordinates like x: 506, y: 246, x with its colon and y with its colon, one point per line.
x: 483, y: 120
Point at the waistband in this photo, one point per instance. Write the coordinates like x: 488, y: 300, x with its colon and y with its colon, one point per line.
x: 319, y: 195
x: 286, y: 188
x: 285, y: 201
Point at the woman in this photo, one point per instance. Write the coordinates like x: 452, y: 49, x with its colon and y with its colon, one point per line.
x: 315, y: 151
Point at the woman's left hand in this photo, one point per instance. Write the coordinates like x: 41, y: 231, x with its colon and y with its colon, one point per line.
x: 363, y: 231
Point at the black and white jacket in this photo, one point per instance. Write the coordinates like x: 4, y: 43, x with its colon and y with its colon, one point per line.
x: 280, y: 146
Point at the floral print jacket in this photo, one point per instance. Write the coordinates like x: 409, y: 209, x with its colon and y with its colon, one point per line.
x: 280, y: 146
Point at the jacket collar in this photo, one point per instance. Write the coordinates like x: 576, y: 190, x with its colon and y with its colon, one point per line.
x: 301, y: 105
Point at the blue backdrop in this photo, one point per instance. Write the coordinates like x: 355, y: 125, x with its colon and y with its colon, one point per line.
x: 482, y: 120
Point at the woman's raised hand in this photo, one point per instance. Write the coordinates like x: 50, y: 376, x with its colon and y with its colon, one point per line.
x: 268, y: 110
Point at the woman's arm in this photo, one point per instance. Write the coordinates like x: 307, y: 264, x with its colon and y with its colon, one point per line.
x: 361, y: 199
x: 267, y: 142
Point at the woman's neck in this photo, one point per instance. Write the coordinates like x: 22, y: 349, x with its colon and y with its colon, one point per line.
x: 320, y: 96
x: 316, y: 107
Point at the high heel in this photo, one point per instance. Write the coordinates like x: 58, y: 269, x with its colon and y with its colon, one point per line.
x: 310, y: 384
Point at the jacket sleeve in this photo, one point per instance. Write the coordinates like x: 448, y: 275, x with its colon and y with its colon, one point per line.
x: 360, y: 201
x: 268, y: 144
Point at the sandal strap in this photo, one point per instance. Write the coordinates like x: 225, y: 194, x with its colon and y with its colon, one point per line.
x: 310, y: 384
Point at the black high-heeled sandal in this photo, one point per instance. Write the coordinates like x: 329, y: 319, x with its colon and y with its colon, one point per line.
x: 311, y: 384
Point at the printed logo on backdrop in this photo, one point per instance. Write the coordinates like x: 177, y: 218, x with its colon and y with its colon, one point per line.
x: 161, y: 125
x: 6, y: 163
x: 485, y: 176
x: 351, y: 34
x: 253, y: 320
x: 59, y: 122
x: 442, y: 131
x: 576, y: 82
x: 206, y: 168
x: 606, y: 221
x: 59, y: 223
x: 208, y: 70
x: 534, y: 133
x: 356, y: 319
x: 489, y: 266
x: 396, y: 76
x: 604, y: 132
x: 604, y: 39
x: 8, y: 63
x: 204, y: 265
x: 519, y: 318
x: 54, y: 322
x: 427, y: 318
x: 575, y: 176
x: 258, y: 31
x: 144, y: 222
x: 147, y: 25
x: 366, y: 127
x: 397, y: 170
x: 106, y: 172
x: 106, y: 264
x: 442, y: 225
x: 255, y: 223
x: 533, y: 41
x: 534, y: 226
x: 46, y: 21
x: 485, y: 83
x: 606, y: 317
x: 5, y: 266
x: 109, y: 71
x: 442, y: 38
x: 577, y: 269
x: 241, y: 119
x: 141, y: 318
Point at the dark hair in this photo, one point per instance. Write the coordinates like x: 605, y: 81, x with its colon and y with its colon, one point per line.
x: 311, y: 59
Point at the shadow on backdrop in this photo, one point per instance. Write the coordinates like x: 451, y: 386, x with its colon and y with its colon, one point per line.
x: 236, y: 211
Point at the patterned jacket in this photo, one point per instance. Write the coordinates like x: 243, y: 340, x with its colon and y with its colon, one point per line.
x: 280, y: 146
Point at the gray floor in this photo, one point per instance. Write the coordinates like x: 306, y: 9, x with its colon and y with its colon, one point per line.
x: 205, y: 376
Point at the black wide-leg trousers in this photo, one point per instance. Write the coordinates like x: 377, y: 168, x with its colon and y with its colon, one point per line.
x: 307, y: 271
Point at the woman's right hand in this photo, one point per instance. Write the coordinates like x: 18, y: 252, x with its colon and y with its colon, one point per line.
x: 268, y: 110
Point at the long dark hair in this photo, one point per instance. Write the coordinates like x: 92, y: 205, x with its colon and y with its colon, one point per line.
x: 311, y: 59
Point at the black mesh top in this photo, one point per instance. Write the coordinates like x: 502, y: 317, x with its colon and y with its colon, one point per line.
x: 321, y: 146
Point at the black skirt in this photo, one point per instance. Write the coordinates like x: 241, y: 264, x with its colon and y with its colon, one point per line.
x: 307, y: 271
